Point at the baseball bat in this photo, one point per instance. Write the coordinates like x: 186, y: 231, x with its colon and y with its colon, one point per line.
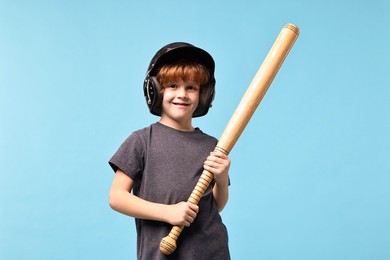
x: 240, y: 118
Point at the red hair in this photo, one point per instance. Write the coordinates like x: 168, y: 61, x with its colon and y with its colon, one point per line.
x: 183, y: 71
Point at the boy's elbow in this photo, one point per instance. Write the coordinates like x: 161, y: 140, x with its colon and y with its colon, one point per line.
x: 221, y: 206
x: 113, y: 201
x: 220, y: 203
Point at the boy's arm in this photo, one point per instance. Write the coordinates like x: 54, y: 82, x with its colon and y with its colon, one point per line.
x: 221, y: 195
x: 122, y: 200
x: 218, y: 164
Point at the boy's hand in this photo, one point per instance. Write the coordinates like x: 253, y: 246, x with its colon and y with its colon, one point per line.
x: 218, y: 164
x: 182, y: 213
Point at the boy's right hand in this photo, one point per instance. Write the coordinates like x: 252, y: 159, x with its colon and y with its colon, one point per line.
x: 182, y: 213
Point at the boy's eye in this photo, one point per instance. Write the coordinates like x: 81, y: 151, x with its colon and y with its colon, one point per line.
x: 192, y: 87
x: 172, y: 85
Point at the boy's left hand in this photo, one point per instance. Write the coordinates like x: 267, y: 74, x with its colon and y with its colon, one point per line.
x: 218, y: 164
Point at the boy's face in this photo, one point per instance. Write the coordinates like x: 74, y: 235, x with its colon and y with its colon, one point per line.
x: 180, y: 100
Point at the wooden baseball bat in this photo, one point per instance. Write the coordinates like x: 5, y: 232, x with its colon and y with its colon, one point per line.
x: 241, y: 117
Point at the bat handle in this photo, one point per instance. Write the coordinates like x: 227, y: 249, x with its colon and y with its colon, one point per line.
x: 168, y: 243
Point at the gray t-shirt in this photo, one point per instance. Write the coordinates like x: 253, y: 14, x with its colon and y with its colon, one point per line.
x: 165, y: 165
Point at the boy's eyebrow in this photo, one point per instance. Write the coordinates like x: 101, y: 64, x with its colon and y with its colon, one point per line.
x: 186, y: 82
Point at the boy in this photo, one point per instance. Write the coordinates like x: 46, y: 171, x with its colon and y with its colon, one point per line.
x: 157, y: 167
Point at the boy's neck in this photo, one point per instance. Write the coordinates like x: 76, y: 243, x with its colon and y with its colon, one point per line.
x: 181, y: 126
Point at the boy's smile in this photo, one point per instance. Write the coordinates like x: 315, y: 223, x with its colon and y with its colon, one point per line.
x: 180, y: 100
x: 181, y: 104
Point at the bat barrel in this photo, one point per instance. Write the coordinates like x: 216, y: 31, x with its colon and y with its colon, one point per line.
x: 258, y: 87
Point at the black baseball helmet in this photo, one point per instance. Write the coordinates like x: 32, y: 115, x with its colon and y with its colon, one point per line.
x: 170, y: 53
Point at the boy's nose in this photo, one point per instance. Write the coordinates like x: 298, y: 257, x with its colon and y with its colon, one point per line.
x: 182, y: 92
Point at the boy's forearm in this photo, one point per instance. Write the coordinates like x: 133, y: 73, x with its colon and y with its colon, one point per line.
x: 131, y: 205
x: 221, y: 195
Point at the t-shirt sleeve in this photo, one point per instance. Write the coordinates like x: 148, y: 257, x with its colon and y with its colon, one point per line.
x: 129, y: 158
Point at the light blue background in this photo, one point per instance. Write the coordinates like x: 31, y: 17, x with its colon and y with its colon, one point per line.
x: 310, y: 174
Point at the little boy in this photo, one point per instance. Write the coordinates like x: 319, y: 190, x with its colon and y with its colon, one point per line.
x: 157, y: 167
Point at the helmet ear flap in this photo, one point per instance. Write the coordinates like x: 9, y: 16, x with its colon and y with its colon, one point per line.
x: 153, y: 95
x: 206, y: 98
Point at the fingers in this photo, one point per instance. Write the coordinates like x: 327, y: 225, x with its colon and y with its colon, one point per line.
x: 218, y: 155
x: 217, y: 162
x: 190, y: 211
x: 193, y: 207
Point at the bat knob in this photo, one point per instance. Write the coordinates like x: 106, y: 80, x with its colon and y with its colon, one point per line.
x: 167, y: 245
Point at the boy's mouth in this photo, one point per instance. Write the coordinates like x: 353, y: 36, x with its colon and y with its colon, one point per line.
x: 180, y: 104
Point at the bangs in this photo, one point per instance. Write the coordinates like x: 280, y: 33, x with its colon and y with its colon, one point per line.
x: 183, y: 71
